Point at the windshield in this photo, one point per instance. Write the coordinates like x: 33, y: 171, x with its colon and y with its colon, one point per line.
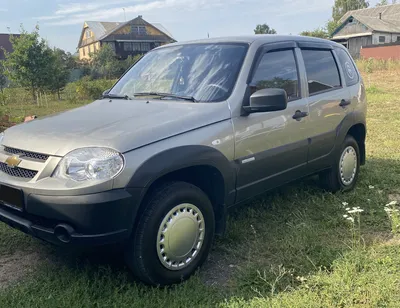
x: 204, y: 72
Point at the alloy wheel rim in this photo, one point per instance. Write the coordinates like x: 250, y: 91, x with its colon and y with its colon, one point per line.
x: 348, y: 166
x: 180, y: 236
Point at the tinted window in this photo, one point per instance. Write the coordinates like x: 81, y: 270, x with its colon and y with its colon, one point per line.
x: 278, y: 70
x: 322, y: 71
x: 349, y: 70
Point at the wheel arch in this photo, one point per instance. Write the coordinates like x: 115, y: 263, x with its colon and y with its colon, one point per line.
x: 202, y: 166
x: 353, y: 124
x: 359, y: 132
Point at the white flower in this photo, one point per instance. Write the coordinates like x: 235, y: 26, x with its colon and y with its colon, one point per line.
x: 387, y: 210
x: 345, y: 203
x: 371, y: 187
x: 392, y: 203
x: 369, y: 200
x: 350, y: 219
x: 355, y: 210
x: 345, y: 216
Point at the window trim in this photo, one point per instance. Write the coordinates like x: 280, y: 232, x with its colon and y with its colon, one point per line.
x: 276, y: 47
x: 337, y: 67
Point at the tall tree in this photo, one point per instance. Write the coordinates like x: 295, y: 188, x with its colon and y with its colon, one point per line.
x: 264, y: 29
x: 105, y: 63
x: 341, y: 7
x: 320, y: 32
x: 382, y: 2
x: 62, y: 64
x: 3, y: 81
x: 30, y: 64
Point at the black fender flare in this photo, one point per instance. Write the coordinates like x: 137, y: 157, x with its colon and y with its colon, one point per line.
x: 181, y: 157
x: 350, y: 120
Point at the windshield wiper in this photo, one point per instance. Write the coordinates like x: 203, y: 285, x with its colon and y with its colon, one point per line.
x: 187, y: 98
x: 116, y: 96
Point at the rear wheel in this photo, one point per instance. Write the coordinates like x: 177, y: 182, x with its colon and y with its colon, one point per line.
x: 173, y: 236
x: 344, y: 174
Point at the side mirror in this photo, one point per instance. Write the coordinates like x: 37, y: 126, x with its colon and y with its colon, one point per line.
x: 267, y: 100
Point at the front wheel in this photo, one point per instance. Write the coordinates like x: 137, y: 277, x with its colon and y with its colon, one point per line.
x: 344, y: 174
x: 173, y: 236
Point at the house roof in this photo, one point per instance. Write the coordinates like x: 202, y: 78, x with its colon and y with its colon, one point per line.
x: 103, y: 29
x: 376, y: 24
x: 389, y: 12
x: 6, y: 44
x: 384, y: 18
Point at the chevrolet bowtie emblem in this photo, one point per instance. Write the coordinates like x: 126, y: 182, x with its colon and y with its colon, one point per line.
x: 13, y: 161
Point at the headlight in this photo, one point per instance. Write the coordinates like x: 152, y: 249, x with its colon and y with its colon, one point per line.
x: 1, y: 138
x: 88, y: 164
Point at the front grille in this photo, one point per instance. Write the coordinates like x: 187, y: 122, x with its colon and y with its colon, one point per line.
x: 17, y: 172
x: 37, y: 156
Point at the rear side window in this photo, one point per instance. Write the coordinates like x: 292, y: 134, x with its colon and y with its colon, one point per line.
x: 278, y: 69
x: 322, y: 71
x: 349, y: 70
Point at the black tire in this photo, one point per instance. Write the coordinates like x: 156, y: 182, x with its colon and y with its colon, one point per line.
x: 331, y: 179
x: 141, y: 253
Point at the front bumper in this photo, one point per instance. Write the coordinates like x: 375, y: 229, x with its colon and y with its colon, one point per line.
x: 84, y: 220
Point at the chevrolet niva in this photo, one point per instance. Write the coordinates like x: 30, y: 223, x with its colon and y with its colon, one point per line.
x: 189, y: 131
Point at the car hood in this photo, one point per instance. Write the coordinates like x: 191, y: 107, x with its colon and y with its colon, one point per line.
x: 120, y: 124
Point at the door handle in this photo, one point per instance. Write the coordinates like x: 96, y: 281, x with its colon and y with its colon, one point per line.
x: 299, y: 115
x: 344, y: 103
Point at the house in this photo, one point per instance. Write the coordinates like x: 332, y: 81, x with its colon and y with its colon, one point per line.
x: 368, y: 28
x: 5, y: 44
x: 134, y: 37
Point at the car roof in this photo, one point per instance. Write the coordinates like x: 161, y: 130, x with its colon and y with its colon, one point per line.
x: 262, y: 38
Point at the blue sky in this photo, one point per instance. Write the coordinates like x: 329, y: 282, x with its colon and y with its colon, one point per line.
x: 61, y: 21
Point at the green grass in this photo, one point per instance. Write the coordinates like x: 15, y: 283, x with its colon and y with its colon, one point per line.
x: 289, y: 248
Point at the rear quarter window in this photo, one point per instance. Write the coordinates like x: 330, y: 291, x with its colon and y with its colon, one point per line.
x: 349, y: 70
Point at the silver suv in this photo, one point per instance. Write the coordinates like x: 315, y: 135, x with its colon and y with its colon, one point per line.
x: 188, y: 132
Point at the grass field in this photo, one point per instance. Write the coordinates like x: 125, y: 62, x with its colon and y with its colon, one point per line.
x: 290, y: 248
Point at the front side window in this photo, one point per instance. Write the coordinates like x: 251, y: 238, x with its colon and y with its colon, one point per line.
x: 382, y: 39
x: 322, y: 71
x: 206, y: 72
x: 278, y: 69
x: 348, y: 67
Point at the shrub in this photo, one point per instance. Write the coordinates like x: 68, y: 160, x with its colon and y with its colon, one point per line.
x: 90, y: 89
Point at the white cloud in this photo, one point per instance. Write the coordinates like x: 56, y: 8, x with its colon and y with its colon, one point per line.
x: 96, y: 11
x: 73, y: 8
x: 76, y: 7
x: 49, y: 17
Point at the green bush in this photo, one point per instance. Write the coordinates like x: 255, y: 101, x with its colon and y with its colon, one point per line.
x: 86, y: 89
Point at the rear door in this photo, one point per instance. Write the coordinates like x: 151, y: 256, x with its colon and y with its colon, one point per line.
x: 329, y: 101
x: 271, y: 147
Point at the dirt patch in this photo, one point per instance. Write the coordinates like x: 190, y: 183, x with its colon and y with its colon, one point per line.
x: 16, y: 266
x: 394, y: 197
x: 217, y: 271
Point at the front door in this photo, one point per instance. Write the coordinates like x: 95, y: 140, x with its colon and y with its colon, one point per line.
x: 271, y: 148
